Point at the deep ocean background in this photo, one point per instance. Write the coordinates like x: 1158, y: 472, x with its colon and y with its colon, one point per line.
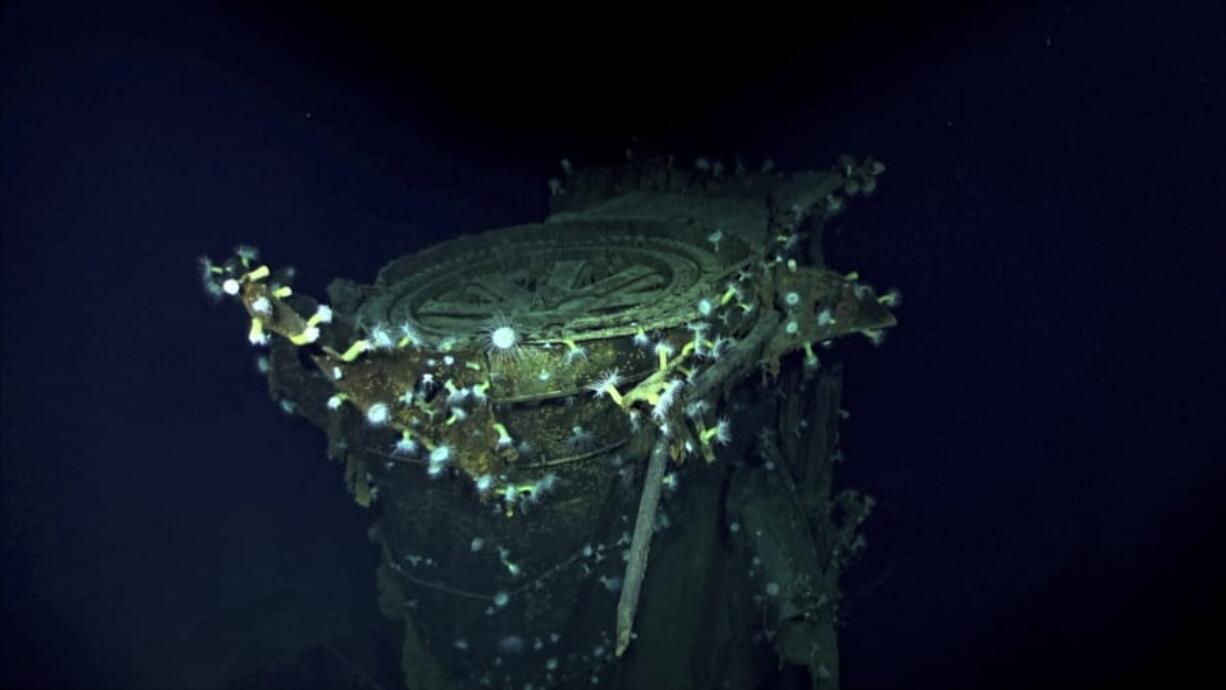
x: 1043, y: 432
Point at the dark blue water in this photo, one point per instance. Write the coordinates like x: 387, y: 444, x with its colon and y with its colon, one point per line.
x: 1043, y: 432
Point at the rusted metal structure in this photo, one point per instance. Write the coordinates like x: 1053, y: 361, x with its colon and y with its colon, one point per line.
x: 535, y: 409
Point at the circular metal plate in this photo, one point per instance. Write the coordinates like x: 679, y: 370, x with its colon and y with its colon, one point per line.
x: 574, y: 279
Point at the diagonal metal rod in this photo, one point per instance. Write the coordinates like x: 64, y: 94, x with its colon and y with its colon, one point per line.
x: 640, y: 544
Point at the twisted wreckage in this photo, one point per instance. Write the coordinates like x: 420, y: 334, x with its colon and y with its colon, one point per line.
x: 534, y: 409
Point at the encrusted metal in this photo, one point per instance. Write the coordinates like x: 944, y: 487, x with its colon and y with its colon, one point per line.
x: 572, y: 279
x: 508, y: 474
